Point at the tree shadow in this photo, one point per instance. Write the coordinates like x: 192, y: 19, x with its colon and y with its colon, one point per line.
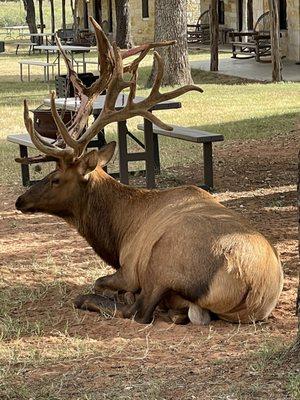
x: 256, y: 127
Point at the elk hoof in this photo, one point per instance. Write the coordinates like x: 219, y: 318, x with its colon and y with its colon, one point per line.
x: 198, y: 315
x: 178, y: 318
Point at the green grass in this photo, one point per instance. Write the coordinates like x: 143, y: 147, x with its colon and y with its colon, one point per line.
x: 13, y: 13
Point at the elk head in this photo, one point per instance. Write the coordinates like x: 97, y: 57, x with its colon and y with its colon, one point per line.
x: 57, y: 192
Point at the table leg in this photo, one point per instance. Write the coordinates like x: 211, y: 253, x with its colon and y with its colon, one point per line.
x: 58, y: 63
x: 208, y: 165
x: 84, y: 64
x: 150, y: 154
x: 24, y: 167
x: 123, y: 162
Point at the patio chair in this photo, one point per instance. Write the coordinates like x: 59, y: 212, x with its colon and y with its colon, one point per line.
x: 199, y: 32
x: 254, y: 43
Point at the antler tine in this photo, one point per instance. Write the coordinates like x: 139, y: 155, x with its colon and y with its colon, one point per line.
x: 117, y: 83
x: 155, y: 95
x: 63, y: 131
x: 106, y: 59
x: 40, y: 143
x: 77, y: 83
x: 144, y: 50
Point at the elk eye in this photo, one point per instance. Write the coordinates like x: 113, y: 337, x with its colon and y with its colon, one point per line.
x: 55, y: 181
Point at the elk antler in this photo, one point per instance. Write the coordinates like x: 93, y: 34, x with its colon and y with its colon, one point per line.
x: 112, y: 79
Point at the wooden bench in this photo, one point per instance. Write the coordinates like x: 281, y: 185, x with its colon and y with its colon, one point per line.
x: 29, y: 44
x: 24, y: 142
x: 196, y: 136
x: 45, y: 65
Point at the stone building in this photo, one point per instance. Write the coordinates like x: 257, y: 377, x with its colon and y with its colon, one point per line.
x: 234, y: 14
x: 142, y: 16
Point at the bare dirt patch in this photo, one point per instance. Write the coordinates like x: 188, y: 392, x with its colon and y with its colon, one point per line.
x: 51, y: 351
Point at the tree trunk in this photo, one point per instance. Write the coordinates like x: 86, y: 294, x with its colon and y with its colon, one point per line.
x: 63, y: 4
x: 123, y: 35
x: 250, y: 14
x: 30, y: 15
x: 52, y: 16
x: 214, y: 36
x: 170, y: 24
x: 41, y: 16
x: 74, y: 8
x: 276, y: 57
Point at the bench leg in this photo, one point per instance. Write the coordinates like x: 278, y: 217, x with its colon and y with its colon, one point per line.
x: 123, y: 162
x: 150, y: 154
x: 17, y: 48
x: 21, y: 72
x: 257, y: 55
x: 24, y: 167
x: 208, y: 165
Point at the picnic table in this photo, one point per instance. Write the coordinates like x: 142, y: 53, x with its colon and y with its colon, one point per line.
x: 68, y: 48
x: 11, y: 29
x: 150, y: 153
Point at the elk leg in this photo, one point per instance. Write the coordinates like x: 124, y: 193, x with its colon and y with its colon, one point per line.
x: 114, y: 282
x: 100, y: 304
x: 144, y: 306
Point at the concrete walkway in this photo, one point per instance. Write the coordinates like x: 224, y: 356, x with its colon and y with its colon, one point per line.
x: 251, y: 69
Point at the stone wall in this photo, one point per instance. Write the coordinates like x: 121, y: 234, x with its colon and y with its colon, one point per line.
x: 293, y: 31
x: 230, y: 8
x: 142, y: 28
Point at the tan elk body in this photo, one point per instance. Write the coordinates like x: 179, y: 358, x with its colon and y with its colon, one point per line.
x: 177, y: 247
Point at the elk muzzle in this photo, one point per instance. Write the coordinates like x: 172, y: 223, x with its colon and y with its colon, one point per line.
x: 24, y: 206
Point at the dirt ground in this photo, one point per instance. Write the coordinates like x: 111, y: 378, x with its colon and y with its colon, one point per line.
x: 49, y: 350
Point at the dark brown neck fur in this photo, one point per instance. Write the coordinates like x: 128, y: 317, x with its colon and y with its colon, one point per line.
x: 103, y: 215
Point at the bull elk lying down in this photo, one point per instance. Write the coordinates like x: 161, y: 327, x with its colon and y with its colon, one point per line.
x: 176, y: 248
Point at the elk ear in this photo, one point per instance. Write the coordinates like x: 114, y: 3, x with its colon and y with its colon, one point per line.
x: 96, y: 157
x: 105, y: 153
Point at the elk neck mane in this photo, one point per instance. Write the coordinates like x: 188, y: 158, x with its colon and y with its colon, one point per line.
x: 106, y: 212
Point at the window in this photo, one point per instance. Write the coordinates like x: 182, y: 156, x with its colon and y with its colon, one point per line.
x: 145, y: 8
x: 282, y: 14
x: 221, y: 12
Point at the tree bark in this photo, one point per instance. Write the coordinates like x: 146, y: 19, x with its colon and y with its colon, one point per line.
x: 63, y: 4
x: 123, y: 35
x: 250, y: 14
x: 74, y: 8
x: 52, y: 16
x: 30, y: 15
x: 214, y: 36
x: 41, y: 14
x: 275, y: 27
x: 170, y: 24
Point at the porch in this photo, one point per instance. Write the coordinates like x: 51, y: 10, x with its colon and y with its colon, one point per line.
x: 251, y: 69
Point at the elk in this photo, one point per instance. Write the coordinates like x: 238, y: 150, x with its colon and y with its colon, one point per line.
x: 177, y: 248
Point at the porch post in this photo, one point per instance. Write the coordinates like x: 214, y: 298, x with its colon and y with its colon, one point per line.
x: 214, y: 35
x: 275, y: 46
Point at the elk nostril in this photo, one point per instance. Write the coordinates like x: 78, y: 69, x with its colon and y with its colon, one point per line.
x: 19, y: 203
